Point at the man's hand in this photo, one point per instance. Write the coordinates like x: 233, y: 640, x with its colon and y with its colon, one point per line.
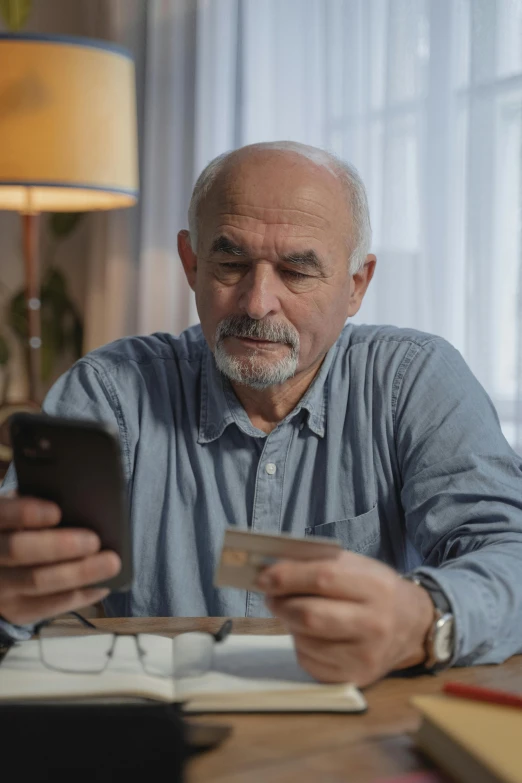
x: 43, y: 571
x: 353, y: 618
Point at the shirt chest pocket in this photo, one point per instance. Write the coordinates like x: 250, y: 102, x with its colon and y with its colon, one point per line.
x: 360, y: 534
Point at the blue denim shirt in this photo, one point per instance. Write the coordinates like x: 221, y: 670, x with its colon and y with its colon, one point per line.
x: 395, y: 450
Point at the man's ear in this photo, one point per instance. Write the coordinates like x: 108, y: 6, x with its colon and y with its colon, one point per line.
x: 188, y: 257
x: 359, y: 284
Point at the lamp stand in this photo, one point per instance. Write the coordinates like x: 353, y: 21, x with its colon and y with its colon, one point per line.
x: 30, y: 222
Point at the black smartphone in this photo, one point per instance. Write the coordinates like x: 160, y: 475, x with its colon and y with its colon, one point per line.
x: 76, y: 464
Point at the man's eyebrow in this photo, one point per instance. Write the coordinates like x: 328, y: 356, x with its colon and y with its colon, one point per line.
x: 308, y: 258
x: 224, y: 245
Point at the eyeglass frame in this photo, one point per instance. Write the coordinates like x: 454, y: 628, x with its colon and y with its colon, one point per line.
x: 219, y: 636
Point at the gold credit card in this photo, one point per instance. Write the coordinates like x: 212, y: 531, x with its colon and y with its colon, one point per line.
x: 245, y: 554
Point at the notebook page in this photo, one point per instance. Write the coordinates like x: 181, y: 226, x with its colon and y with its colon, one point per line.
x: 23, y: 676
x: 259, y: 671
x: 260, y: 657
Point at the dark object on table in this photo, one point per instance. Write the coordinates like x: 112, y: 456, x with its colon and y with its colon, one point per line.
x: 205, y: 736
x: 96, y: 743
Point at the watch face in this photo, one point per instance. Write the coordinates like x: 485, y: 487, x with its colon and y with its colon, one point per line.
x: 443, y: 640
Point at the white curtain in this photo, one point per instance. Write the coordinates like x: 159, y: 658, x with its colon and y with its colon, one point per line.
x: 423, y: 96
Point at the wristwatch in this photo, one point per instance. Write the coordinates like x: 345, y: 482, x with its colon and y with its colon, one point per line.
x: 440, y: 641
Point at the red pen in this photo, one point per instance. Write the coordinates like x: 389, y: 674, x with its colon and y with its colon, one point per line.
x: 479, y: 693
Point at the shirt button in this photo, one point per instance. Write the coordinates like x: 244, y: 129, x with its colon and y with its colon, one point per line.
x: 270, y: 468
x: 301, y: 425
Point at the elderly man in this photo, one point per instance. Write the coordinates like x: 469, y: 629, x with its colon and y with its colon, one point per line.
x: 275, y: 416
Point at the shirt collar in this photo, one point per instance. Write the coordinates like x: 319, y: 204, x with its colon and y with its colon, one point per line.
x: 220, y: 406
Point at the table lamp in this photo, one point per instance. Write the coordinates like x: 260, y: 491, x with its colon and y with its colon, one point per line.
x: 68, y: 141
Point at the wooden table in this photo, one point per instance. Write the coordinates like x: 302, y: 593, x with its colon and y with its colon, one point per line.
x: 318, y: 747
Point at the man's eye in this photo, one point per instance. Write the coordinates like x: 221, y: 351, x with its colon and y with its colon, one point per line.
x: 295, y: 275
x: 230, y: 266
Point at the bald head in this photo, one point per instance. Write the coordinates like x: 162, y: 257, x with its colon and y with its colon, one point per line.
x: 268, y: 160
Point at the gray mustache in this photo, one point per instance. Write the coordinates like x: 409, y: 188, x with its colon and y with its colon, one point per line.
x: 243, y: 326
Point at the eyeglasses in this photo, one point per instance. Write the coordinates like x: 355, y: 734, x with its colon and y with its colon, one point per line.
x: 69, y: 648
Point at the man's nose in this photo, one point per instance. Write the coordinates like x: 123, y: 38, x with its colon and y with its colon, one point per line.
x: 259, y: 295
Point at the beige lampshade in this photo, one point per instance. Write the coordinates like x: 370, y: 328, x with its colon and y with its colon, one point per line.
x: 67, y: 125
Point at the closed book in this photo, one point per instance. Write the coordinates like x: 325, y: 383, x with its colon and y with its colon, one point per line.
x: 474, y: 742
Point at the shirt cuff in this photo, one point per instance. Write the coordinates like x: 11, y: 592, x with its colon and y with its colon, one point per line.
x: 14, y: 633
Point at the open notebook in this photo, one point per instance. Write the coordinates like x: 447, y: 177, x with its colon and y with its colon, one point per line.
x: 249, y: 674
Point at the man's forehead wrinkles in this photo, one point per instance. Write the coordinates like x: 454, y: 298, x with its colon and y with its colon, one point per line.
x: 262, y: 213
x: 261, y: 231
x: 315, y: 203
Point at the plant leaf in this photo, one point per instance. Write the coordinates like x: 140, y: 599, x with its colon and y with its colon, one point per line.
x: 62, y: 327
x: 18, y: 315
x: 4, y: 351
x: 77, y: 336
x: 63, y: 223
x: 15, y: 13
x: 48, y: 352
x: 54, y: 287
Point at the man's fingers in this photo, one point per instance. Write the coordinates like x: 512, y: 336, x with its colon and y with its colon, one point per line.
x: 330, y: 578
x: 322, y: 618
x: 24, y: 548
x: 19, y: 513
x: 64, y: 577
x: 336, y: 640
x: 331, y: 662
x: 31, y: 610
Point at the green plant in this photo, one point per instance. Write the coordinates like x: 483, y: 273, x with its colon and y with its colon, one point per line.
x: 4, y: 370
x: 61, y: 324
x: 15, y: 13
x: 4, y: 351
x: 62, y: 328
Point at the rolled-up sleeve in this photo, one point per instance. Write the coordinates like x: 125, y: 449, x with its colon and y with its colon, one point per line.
x: 462, y: 497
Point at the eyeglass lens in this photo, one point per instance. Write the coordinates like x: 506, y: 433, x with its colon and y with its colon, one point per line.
x: 66, y: 647
x: 69, y: 649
